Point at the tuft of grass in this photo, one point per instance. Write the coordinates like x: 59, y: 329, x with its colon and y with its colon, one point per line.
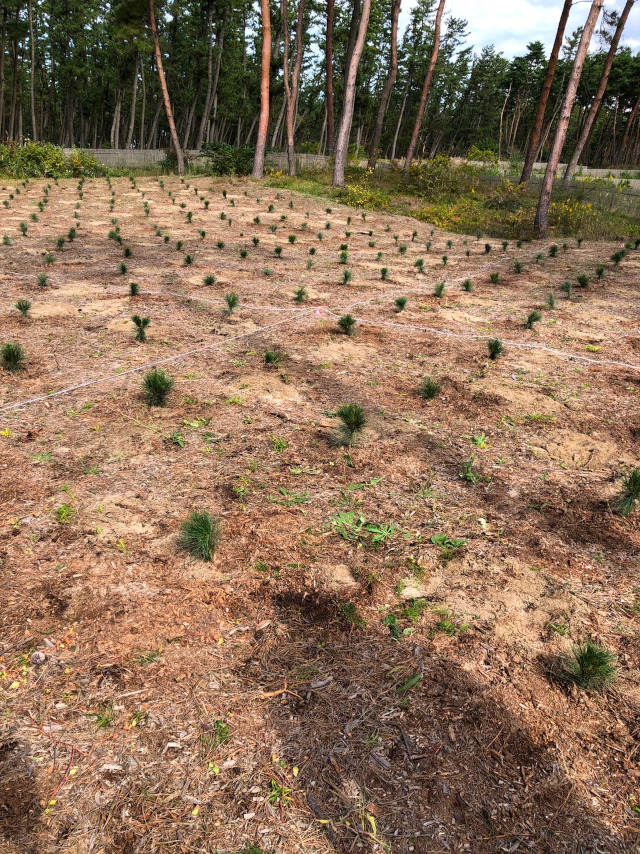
x: 400, y: 303
x: 209, y: 280
x: 494, y: 345
x: 301, y: 295
x: 272, y: 357
x: 533, y: 317
x: 439, y: 289
x: 12, y: 356
x: 156, y: 386
x: 23, y: 306
x: 232, y: 301
x: 429, y: 388
x: 353, y: 419
x: 348, y: 324
x: 141, y: 324
x: 630, y: 495
x: 199, y: 535
x: 494, y: 278
x: 590, y: 666
x: 467, y: 285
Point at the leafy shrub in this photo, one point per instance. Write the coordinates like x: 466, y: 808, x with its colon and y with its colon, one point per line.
x: 429, y: 388
x: 348, y: 324
x: 434, y: 178
x: 12, y: 356
x: 199, y: 535
x: 223, y: 159
x: 44, y: 160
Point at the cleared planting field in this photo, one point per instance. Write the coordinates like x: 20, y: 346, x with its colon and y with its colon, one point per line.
x: 376, y: 658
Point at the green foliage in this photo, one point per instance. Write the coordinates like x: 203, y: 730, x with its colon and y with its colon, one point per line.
x: 566, y: 289
x: 273, y: 358
x: 533, y: 317
x: 209, y: 280
x: 630, y: 495
x: 44, y: 160
x: 232, y: 301
x: 141, y: 324
x: 384, y: 274
x: 353, y: 419
x: 467, y: 285
x: 223, y: 159
x: 23, y: 306
x: 43, y: 280
x: 199, y: 535
x: 582, y: 280
x: 429, y: 388
x: 301, y: 295
x: 590, y: 666
x: 439, y: 289
x: 347, y: 276
x: 348, y: 324
x: 400, y: 303
x: 156, y: 387
x: 12, y: 356
x: 134, y: 289
x: 494, y: 278
x: 494, y: 345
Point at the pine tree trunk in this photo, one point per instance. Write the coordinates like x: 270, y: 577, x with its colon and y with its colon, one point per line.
x: 144, y: 105
x: 263, y: 124
x: 587, y: 127
x: 328, y: 62
x: 165, y: 91
x: 344, y: 131
x: 625, y: 136
x: 392, y: 156
x: 3, y: 43
x: 134, y: 99
x: 388, y: 86
x: 536, y: 133
x: 427, y: 86
x: 291, y: 87
x: 32, y: 75
x: 541, y: 222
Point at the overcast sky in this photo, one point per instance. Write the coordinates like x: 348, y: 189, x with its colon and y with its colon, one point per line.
x: 511, y: 24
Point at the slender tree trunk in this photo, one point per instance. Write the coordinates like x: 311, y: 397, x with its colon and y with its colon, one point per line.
x: 153, y: 134
x: 328, y: 62
x: 192, y: 111
x: 388, y: 86
x: 542, y: 213
x: 134, y: 99
x: 536, y: 133
x: 3, y: 43
x: 165, y: 92
x: 627, y: 130
x: 291, y: 86
x: 392, y: 156
x: 597, y: 98
x: 342, y: 146
x: 263, y: 124
x: 32, y: 75
x: 144, y: 105
x: 427, y: 86
x: 353, y: 34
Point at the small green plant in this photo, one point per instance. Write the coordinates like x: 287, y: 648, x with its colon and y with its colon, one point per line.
x: 384, y: 274
x: 400, y: 303
x: 494, y: 345
x: 292, y: 238
x: 348, y: 324
x: 467, y: 472
x: 517, y: 266
x: 301, y: 295
x: 480, y: 440
x: 24, y: 228
x: 402, y: 249
x: 343, y: 257
x: 123, y: 268
x: 445, y: 259
x: 220, y: 244
x: 487, y: 248
x: 278, y: 251
x: 60, y: 244
x: 353, y: 419
x: 551, y: 300
x: 267, y: 271
x: 582, y: 280
x: 590, y: 666
x: 273, y: 358
x: 65, y: 513
x: 6, y: 240
x: 439, y: 289
x: 553, y: 250
x: 494, y: 278
x: 566, y: 288
x: 43, y: 280
x: 618, y: 256
x: 419, y: 264
x: 347, y: 276
x: 599, y: 273
x: 209, y: 280
x: 12, y: 356
x: 141, y: 324
x: 467, y: 285
x: 232, y: 301
x: 188, y: 260
x: 156, y: 386
x: 243, y: 253
x: 199, y: 535
x: 533, y: 317
x: 449, y: 547
x: 23, y: 306
x: 429, y: 388
x: 630, y: 495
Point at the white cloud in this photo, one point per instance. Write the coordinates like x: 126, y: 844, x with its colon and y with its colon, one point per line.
x: 510, y: 26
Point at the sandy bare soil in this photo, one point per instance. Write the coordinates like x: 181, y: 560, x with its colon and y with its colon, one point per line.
x: 334, y: 679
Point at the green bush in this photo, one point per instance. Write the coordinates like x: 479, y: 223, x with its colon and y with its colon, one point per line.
x: 223, y: 159
x: 44, y: 160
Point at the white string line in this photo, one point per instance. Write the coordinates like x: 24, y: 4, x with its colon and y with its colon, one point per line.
x: 148, y: 365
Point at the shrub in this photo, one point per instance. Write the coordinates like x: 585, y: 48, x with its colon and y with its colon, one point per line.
x: 566, y: 288
x: 429, y: 388
x: 273, y: 358
x: 43, y: 280
x: 232, y: 301
x: 589, y: 666
x: 156, y: 386
x: 12, y: 356
x: 467, y: 285
x: 23, y: 306
x: 630, y: 495
x: 278, y: 251
x: 582, y: 280
x: 346, y: 277
x: 134, y: 289
x: 439, y: 289
x: 188, y: 260
x: 353, y: 420
x: 343, y: 257
x: 209, y: 280
x: 199, y: 535
x: 419, y: 263
x: 599, y: 273
x: 348, y: 324
x: 141, y: 324
x: 384, y: 274
x: 24, y: 228
x: 495, y: 348
x: 300, y: 295
x: 123, y: 268
x: 553, y: 250
x: 551, y: 300
x: 533, y: 317
x: 400, y: 303
x: 44, y: 160
x: 517, y: 266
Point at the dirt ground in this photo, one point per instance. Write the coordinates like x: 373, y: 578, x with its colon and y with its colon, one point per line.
x: 333, y: 680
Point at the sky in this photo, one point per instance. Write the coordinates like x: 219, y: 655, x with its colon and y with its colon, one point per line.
x: 511, y: 24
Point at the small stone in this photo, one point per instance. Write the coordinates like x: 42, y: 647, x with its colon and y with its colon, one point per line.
x: 38, y: 658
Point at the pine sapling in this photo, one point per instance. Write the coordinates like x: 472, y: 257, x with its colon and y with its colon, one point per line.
x: 630, y: 495
x: 533, y: 317
x: 439, y: 289
x: 12, y: 356
x: 400, y: 303
x: 156, y: 387
x: 232, y: 301
x: 23, y: 306
x: 353, y: 419
x: 429, y: 388
x: 494, y: 345
x: 199, y: 535
x: 141, y: 324
x: 348, y: 324
x: 301, y: 295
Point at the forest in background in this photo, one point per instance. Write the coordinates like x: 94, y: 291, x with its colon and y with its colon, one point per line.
x: 85, y: 74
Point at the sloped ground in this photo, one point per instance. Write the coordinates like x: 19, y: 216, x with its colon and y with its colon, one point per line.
x: 333, y: 680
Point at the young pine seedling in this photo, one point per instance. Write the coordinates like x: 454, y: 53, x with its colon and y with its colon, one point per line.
x: 141, y: 324
x: 551, y: 300
x: 566, y: 288
x: 553, y: 250
x: 400, y: 304
x: 429, y: 388
x: 343, y: 257
x: 517, y: 266
x: 199, y: 535
x: 494, y: 278
x: 126, y: 252
x: 487, y: 248
x: 156, y: 387
x: 467, y: 285
x: 630, y: 495
x: 384, y: 274
x: 445, y: 258
x: 494, y: 345
x: 353, y: 419
x: 533, y: 317
x: 439, y: 289
x: 590, y: 666
x: 12, y: 356
x: 301, y: 295
x: 123, y: 268
x: 348, y: 324
x: 209, y: 280
x: 60, y: 244
x: 188, y: 260
x: 232, y: 301
x: 272, y: 359
x: 43, y: 280
x: 24, y: 228
x: 505, y: 244
x: 419, y: 264
x: 599, y: 273
x: 278, y: 251
x: 23, y: 306
x: 347, y: 276
x: 582, y: 280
